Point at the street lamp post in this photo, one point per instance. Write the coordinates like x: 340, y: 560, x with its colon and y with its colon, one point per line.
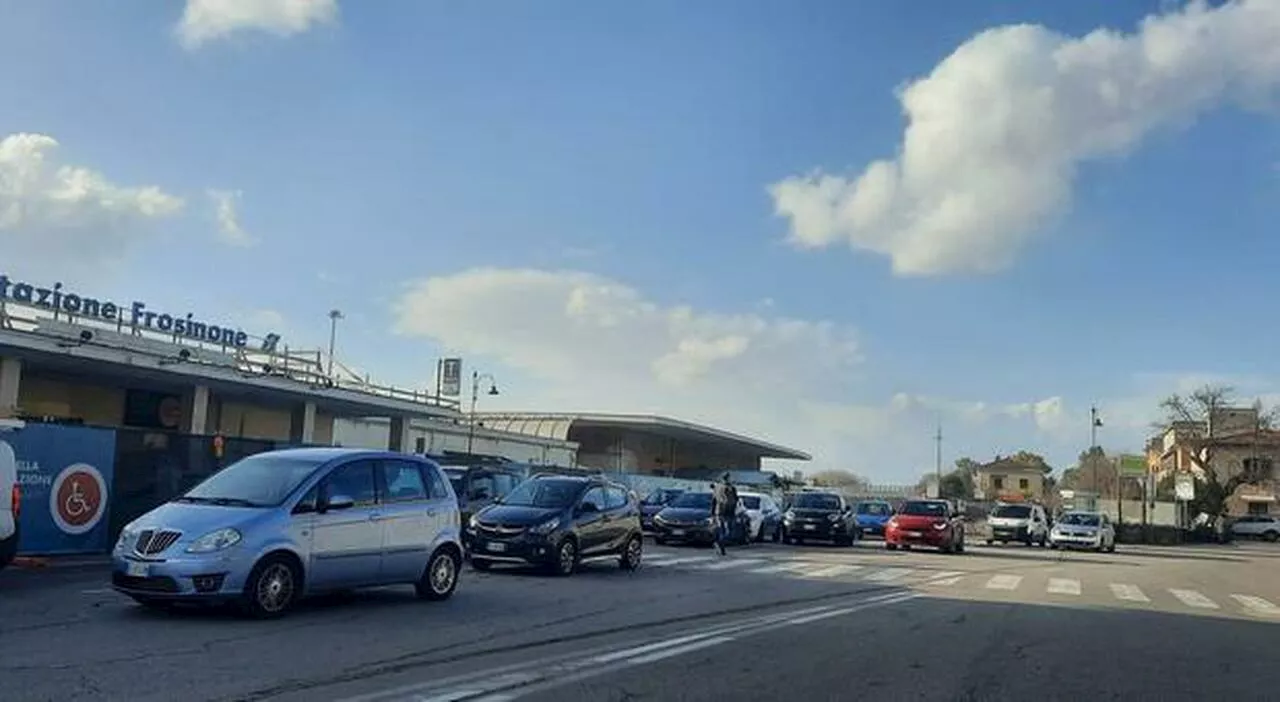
x: 334, y: 316
x: 1094, y: 422
x: 476, y: 377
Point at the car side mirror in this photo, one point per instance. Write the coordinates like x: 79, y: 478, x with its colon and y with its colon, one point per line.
x: 588, y: 508
x: 337, y: 502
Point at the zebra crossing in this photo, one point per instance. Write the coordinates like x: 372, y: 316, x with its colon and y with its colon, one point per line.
x: 1054, y: 588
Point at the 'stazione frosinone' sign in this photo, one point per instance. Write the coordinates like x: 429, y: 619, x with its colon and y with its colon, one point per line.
x: 135, y: 315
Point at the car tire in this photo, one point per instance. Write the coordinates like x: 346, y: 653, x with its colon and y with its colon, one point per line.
x: 481, y: 563
x: 960, y: 545
x: 1271, y: 536
x: 890, y: 547
x: 632, y: 554
x: 272, y: 588
x: 1053, y: 546
x: 777, y: 534
x: 440, y: 578
x: 991, y: 542
x: 1044, y: 539
x: 759, y: 537
x: 566, y: 561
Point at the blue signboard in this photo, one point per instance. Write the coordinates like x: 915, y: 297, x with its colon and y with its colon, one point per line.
x: 65, y: 475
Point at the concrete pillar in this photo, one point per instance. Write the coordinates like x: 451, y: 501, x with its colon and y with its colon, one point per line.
x: 10, y: 381
x: 398, y: 437
x: 199, y: 411
x: 302, y: 423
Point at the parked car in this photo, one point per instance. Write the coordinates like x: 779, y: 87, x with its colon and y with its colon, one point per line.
x: 558, y: 521
x: 933, y: 523
x: 688, y: 519
x: 479, y: 486
x: 1024, y: 523
x: 276, y: 526
x: 10, y: 505
x: 1080, y: 529
x: 872, y: 515
x: 1257, y: 526
x: 654, y: 502
x: 820, y: 515
x: 764, y: 517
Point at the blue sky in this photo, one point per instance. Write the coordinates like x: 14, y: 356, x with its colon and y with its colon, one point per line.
x: 631, y: 149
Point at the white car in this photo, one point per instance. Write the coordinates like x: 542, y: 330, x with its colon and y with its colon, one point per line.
x: 10, y: 497
x: 1257, y: 526
x: 763, y: 514
x: 1024, y: 523
x: 1079, y: 529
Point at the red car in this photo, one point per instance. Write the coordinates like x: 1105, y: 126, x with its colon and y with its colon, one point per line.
x: 925, y: 523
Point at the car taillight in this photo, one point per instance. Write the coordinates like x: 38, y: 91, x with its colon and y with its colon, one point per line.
x: 15, y: 500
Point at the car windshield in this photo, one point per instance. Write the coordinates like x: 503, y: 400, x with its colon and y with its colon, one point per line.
x: 693, y: 500
x: 877, y: 509
x: 548, y: 494
x: 816, y: 501
x: 262, y: 480
x: 1079, y: 519
x: 660, y: 497
x: 457, y: 478
x: 924, y: 509
x: 1012, y: 512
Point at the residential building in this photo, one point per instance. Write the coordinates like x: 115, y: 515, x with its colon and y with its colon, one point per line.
x: 1237, y: 443
x: 1009, y: 480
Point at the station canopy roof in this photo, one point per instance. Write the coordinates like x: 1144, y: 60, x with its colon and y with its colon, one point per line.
x: 559, y: 425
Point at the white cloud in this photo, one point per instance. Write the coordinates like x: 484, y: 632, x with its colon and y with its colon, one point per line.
x: 997, y: 131
x: 206, y: 20
x: 51, y: 211
x: 572, y: 341
x: 230, y: 230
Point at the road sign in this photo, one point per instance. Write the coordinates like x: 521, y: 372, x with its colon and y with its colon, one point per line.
x: 1184, y: 487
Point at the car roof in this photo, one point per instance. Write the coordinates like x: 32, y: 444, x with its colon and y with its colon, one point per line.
x: 329, y: 453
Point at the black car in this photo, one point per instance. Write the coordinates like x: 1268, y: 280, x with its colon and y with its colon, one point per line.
x: 558, y: 521
x: 687, y: 519
x: 654, y: 502
x: 823, y: 516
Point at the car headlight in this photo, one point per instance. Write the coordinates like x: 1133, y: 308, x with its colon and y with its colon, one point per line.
x: 127, y: 536
x: 892, y: 523
x: 473, y: 522
x: 658, y: 518
x: 833, y: 517
x: 789, y: 515
x: 546, y: 527
x: 709, y: 521
x: 215, y: 541
x: 940, y: 525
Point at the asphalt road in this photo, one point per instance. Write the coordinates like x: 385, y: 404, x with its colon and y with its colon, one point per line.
x: 769, y: 621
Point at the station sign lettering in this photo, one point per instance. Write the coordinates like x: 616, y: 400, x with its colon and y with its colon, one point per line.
x: 136, y: 314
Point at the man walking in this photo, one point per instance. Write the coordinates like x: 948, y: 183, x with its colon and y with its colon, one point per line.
x: 724, y: 507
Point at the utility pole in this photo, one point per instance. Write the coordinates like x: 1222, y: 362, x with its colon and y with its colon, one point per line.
x: 1094, y: 422
x: 334, y: 316
x: 476, y: 377
x: 937, y: 455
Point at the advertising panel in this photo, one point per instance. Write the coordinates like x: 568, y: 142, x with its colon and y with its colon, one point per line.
x: 65, y: 475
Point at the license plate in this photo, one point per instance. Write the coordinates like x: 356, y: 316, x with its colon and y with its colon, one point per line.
x: 810, y: 527
x: 496, y: 547
x: 138, y: 570
x: 915, y: 534
x: 677, y: 532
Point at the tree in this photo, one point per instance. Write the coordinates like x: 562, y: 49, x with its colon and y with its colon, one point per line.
x: 1027, y: 458
x: 841, y: 479
x: 1201, y: 407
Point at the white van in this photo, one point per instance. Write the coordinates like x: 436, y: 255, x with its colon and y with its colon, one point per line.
x: 10, y: 495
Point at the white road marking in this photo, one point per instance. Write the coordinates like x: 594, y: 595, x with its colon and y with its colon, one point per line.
x: 98, y: 591
x: 888, y: 575
x: 728, y: 563
x: 667, y: 653
x: 782, y: 567
x: 1004, y: 582
x: 1191, y: 598
x: 1124, y: 591
x: 831, y: 571
x: 945, y: 575
x: 1257, y: 605
x: 1063, y: 586
x: 679, y: 561
x: 943, y: 582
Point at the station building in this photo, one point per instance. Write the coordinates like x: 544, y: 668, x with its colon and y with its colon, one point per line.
x: 184, y: 395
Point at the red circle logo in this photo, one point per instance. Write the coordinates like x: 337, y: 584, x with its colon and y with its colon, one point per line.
x: 78, y: 498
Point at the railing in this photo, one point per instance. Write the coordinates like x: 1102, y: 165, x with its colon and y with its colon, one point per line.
x: 257, y: 357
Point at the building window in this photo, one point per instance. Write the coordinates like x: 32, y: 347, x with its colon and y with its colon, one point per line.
x: 1259, y: 508
x: 1264, y: 467
x: 1024, y: 484
x: 997, y: 482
